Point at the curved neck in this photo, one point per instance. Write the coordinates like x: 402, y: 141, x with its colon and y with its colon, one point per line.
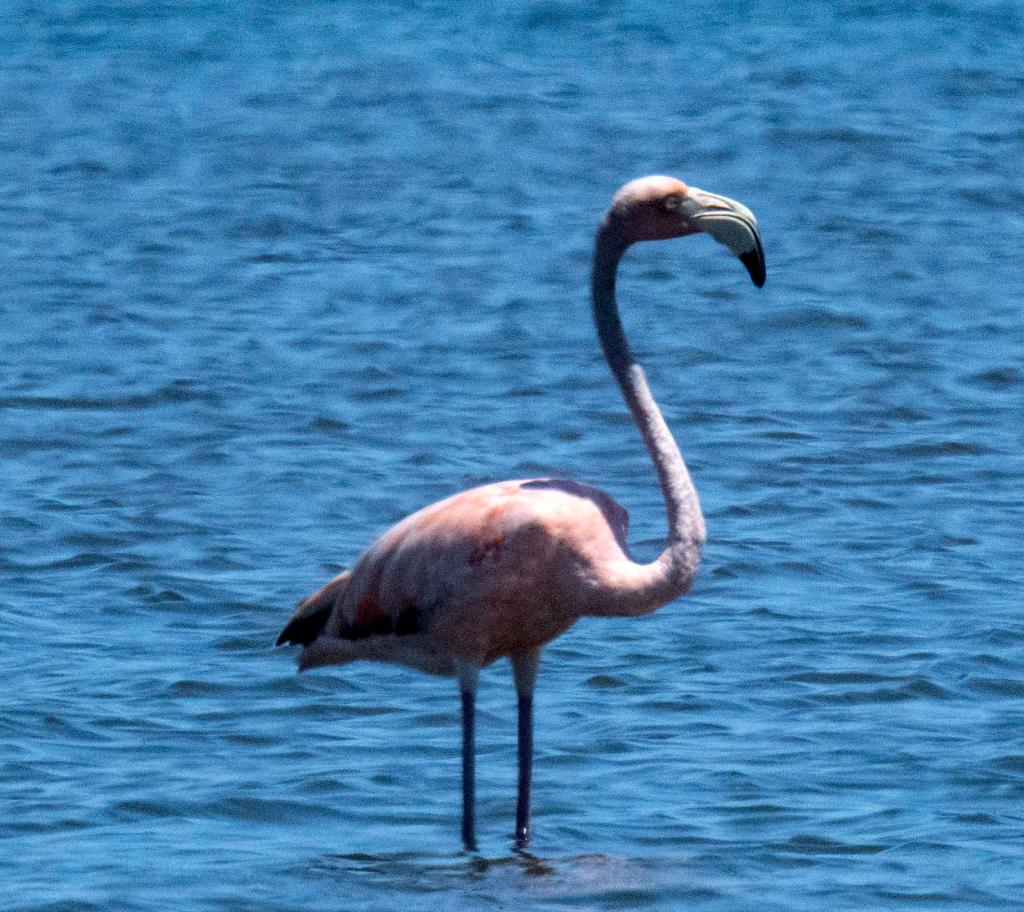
x: 670, y: 575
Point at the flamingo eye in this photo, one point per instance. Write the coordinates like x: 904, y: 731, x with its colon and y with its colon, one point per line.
x: 672, y: 202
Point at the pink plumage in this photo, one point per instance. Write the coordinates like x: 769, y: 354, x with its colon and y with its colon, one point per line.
x: 500, y: 570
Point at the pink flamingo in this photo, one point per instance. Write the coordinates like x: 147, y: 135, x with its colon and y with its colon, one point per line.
x: 502, y: 569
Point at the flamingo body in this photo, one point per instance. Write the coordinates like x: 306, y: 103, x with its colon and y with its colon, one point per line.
x: 494, y: 571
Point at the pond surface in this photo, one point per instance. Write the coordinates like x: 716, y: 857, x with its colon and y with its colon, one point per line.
x: 272, y: 280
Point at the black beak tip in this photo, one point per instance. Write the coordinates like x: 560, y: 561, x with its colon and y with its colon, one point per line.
x: 754, y: 261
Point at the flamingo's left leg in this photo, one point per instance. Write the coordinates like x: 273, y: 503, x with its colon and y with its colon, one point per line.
x: 469, y: 675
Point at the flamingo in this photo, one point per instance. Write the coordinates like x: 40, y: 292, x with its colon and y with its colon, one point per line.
x: 502, y: 569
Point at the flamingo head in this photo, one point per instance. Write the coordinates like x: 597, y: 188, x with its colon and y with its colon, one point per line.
x: 656, y: 208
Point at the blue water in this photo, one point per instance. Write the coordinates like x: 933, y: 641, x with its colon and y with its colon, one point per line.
x: 273, y: 277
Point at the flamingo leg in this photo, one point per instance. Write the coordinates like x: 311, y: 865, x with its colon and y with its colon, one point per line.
x: 468, y: 677
x: 524, y: 669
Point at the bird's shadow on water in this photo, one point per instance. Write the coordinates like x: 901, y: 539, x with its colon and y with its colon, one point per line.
x: 429, y: 872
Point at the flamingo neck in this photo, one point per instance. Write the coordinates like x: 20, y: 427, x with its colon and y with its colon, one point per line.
x: 670, y: 575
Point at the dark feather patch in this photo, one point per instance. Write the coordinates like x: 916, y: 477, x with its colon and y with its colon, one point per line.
x: 313, y: 612
x: 304, y: 628
x: 408, y: 621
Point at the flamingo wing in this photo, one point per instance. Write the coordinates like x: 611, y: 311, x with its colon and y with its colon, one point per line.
x: 481, y: 574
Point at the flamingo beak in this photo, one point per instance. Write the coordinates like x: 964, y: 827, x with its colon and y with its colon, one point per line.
x: 731, y: 224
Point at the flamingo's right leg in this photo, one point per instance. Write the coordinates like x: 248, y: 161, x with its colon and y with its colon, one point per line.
x: 524, y: 670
